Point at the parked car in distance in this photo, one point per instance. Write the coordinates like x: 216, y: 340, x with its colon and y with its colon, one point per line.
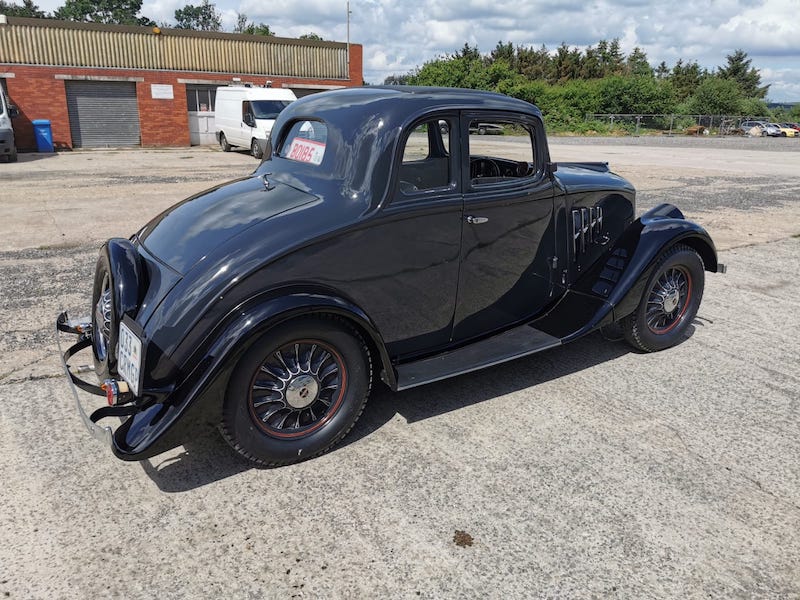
x: 785, y: 130
x: 760, y: 128
x: 794, y: 126
x: 244, y: 115
x: 8, y: 111
x: 367, y: 247
x: 486, y: 128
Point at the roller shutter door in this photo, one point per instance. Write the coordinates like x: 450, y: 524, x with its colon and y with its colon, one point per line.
x: 103, y: 114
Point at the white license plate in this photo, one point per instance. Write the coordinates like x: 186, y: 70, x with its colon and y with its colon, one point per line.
x: 129, y: 357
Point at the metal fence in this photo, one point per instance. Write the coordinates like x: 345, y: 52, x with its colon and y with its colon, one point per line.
x: 638, y: 124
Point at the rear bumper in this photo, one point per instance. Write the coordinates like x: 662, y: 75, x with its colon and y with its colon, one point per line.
x: 83, y: 330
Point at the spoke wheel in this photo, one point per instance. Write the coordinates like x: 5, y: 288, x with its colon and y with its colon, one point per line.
x: 297, y: 388
x: 296, y: 391
x: 669, y: 303
x: 669, y: 300
x: 104, y: 320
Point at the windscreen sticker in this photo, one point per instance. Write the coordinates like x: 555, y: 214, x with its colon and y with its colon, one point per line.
x: 307, y: 151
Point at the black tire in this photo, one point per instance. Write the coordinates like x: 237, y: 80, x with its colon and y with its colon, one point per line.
x: 105, y: 328
x: 669, y: 302
x: 223, y: 143
x: 296, y: 391
x: 481, y: 130
x: 12, y: 156
x: 255, y: 149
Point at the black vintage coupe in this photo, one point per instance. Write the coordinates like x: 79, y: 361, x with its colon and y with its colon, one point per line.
x: 382, y: 238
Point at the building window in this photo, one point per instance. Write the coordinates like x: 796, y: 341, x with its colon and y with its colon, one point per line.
x: 201, y: 98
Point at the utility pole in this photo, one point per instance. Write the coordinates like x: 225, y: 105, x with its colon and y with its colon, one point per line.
x: 348, y: 39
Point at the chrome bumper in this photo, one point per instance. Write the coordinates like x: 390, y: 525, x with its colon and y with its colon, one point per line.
x: 83, y: 329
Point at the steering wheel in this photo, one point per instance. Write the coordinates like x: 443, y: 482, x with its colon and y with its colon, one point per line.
x: 484, y: 167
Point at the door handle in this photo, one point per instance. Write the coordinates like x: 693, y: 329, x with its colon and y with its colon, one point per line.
x: 475, y: 220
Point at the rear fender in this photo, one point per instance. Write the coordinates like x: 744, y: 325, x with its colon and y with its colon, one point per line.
x: 127, y: 275
x: 199, y: 396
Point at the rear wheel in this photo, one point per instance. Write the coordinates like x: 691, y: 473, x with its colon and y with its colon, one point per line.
x: 296, y: 392
x: 669, y: 302
x: 104, y: 321
x: 255, y: 149
x: 223, y: 143
x: 12, y: 156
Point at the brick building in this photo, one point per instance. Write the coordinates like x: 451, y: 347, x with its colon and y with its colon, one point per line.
x: 110, y: 85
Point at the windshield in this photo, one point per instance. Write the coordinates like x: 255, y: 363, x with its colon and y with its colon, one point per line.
x: 268, y: 109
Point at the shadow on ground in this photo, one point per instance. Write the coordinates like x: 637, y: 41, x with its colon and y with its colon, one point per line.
x: 207, y: 458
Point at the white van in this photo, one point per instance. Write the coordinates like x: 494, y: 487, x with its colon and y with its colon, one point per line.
x: 243, y: 115
x: 7, y: 112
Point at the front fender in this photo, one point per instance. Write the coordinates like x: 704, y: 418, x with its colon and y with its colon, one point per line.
x: 639, y: 248
x: 164, y: 425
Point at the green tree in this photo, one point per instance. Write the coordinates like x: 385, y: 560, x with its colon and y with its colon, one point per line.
x: 111, y: 12
x: 203, y: 17
x: 662, y: 70
x: 28, y: 9
x: 632, y: 95
x: 312, y: 36
x: 716, y: 96
x: 748, y: 78
x: 534, y: 64
x: 686, y: 78
x: 637, y: 65
x: 243, y: 25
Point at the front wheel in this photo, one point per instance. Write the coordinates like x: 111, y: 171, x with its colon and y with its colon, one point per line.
x: 296, y: 392
x: 669, y: 302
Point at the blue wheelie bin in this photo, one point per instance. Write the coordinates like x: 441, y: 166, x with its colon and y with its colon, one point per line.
x: 43, y: 134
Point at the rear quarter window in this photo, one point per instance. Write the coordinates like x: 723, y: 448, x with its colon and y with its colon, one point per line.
x: 305, y: 142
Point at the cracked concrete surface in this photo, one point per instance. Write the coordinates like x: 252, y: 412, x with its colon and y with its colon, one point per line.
x: 589, y: 470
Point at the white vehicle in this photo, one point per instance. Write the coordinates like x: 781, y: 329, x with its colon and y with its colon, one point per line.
x: 243, y: 115
x: 7, y: 112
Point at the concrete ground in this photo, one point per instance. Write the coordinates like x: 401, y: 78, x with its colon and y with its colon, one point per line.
x: 586, y: 471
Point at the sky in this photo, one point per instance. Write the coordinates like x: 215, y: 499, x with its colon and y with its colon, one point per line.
x: 401, y: 35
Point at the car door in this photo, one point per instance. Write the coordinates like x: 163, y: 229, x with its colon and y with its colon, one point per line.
x: 508, y: 235
x: 416, y: 242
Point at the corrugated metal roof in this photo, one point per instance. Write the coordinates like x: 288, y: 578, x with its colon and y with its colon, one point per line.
x: 63, y: 43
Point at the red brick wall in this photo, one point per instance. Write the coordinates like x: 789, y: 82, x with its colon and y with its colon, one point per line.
x: 38, y: 95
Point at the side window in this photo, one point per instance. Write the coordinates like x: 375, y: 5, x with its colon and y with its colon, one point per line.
x: 426, y: 163
x: 305, y: 142
x: 501, y: 150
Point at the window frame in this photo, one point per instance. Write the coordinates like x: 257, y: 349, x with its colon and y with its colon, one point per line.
x: 535, y: 128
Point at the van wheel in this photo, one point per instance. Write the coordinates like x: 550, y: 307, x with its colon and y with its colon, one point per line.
x: 223, y: 143
x: 255, y: 149
x: 13, y: 156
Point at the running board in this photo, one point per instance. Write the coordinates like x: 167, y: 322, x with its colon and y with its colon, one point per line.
x: 491, y: 351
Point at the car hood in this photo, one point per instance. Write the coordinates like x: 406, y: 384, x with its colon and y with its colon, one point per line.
x: 581, y: 177
x: 191, y: 230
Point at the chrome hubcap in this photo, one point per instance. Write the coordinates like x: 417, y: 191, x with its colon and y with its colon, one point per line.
x: 296, y: 387
x: 668, y: 299
x: 302, y: 391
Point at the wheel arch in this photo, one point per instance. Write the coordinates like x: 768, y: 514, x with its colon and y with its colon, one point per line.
x: 257, y: 317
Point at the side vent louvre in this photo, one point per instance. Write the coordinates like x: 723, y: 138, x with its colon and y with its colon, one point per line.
x: 587, y: 227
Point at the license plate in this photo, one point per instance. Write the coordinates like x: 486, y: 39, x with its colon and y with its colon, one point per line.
x: 129, y: 357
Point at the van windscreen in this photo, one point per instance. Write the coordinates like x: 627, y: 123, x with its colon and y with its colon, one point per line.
x: 268, y: 109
